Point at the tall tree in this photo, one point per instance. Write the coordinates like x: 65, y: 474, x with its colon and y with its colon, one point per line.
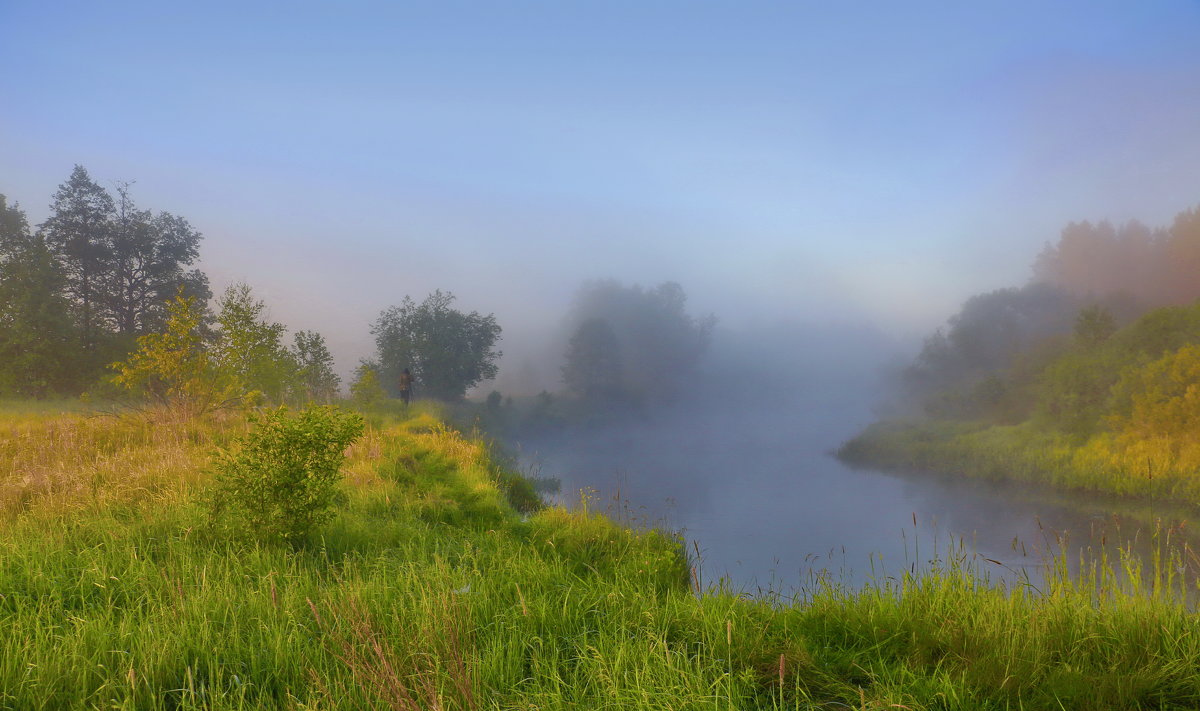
x: 660, y: 342
x: 37, y: 337
x: 79, y: 235
x: 315, y: 363
x: 593, y: 361
x: 446, y: 350
x: 147, y: 259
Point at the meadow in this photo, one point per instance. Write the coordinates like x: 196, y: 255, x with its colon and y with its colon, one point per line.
x: 443, y: 583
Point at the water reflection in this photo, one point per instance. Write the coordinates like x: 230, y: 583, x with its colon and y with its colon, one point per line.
x: 768, y: 508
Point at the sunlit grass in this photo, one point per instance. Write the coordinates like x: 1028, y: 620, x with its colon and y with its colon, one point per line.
x: 1150, y: 469
x: 430, y: 591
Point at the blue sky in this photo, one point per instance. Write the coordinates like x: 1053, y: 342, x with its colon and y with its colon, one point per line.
x: 808, y: 161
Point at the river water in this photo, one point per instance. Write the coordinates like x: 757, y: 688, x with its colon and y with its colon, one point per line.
x: 757, y: 492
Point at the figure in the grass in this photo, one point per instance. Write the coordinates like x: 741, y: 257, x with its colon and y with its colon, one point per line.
x: 406, y: 386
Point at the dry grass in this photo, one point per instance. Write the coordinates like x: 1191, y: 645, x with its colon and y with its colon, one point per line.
x: 428, y: 670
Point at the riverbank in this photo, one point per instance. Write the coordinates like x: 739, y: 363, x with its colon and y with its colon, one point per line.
x: 1027, y: 452
x: 440, y: 583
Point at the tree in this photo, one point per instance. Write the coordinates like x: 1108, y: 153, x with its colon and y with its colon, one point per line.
x: 175, y: 368
x: 79, y: 235
x: 147, y: 259
x: 988, y: 334
x: 660, y: 344
x: 120, y: 266
x: 37, y: 336
x: 315, y: 375
x: 1094, y: 325
x: 366, y: 389
x: 1161, y: 398
x: 593, y: 361
x: 250, y: 346
x: 447, y: 351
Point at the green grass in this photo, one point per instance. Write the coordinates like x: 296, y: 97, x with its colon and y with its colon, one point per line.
x: 430, y: 590
x: 1027, y: 452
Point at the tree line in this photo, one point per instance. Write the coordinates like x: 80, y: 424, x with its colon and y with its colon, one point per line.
x: 77, y: 291
x: 1097, y: 345
x: 1011, y: 334
x: 103, y: 298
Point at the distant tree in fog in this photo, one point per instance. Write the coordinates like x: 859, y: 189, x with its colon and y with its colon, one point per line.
x: 446, y: 350
x: 1094, y: 325
x: 989, y: 331
x: 593, y: 361
x: 659, y: 343
x: 365, y: 388
x: 1153, y: 267
x: 315, y: 363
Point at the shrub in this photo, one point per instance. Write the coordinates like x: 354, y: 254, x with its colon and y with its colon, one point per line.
x: 366, y: 390
x: 280, y: 480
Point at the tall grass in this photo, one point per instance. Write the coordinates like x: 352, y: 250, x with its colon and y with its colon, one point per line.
x: 430, y: 590
x: 1150, y: 469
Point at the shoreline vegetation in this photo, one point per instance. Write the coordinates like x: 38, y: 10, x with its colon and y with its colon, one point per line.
x: 1085, y: 379
x: 1024, y: 453
x: 442, y: 582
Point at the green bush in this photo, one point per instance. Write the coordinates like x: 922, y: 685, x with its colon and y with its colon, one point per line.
x: 280, y: 480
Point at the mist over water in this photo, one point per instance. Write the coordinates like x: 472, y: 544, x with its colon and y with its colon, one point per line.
x: 746, y: 473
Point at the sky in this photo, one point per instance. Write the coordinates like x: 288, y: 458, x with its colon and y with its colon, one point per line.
x: 800, y: 162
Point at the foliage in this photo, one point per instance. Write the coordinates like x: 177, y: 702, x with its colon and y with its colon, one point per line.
x: 1115, y: 411
x: 987, y: 335
x: 1149, y: 267
x: 122, y: 264
x: 1162, y: 398
x: 366, y: 389
x: 1094, y: 325
x: 446, y: 350
x: 1075, y: 390
x: 643, y: 337
x: 79, y: 234
x: 280, y: 481
x: 315, y: 364
x: 593, y: 361
x: 97, y: 274
x: 249, y: 347
x: 175, y: 368
x: 1117, y: 401
x: 37, y: 336
x: 145, y: 266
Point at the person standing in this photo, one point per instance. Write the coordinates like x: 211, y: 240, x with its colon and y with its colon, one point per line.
x: 406, y: 386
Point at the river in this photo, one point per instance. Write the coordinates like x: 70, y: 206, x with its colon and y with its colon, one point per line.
x: 757, y: 492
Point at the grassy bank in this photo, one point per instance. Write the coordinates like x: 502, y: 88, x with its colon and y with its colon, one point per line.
x: 431, y: 589
x: 1150, y: 469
